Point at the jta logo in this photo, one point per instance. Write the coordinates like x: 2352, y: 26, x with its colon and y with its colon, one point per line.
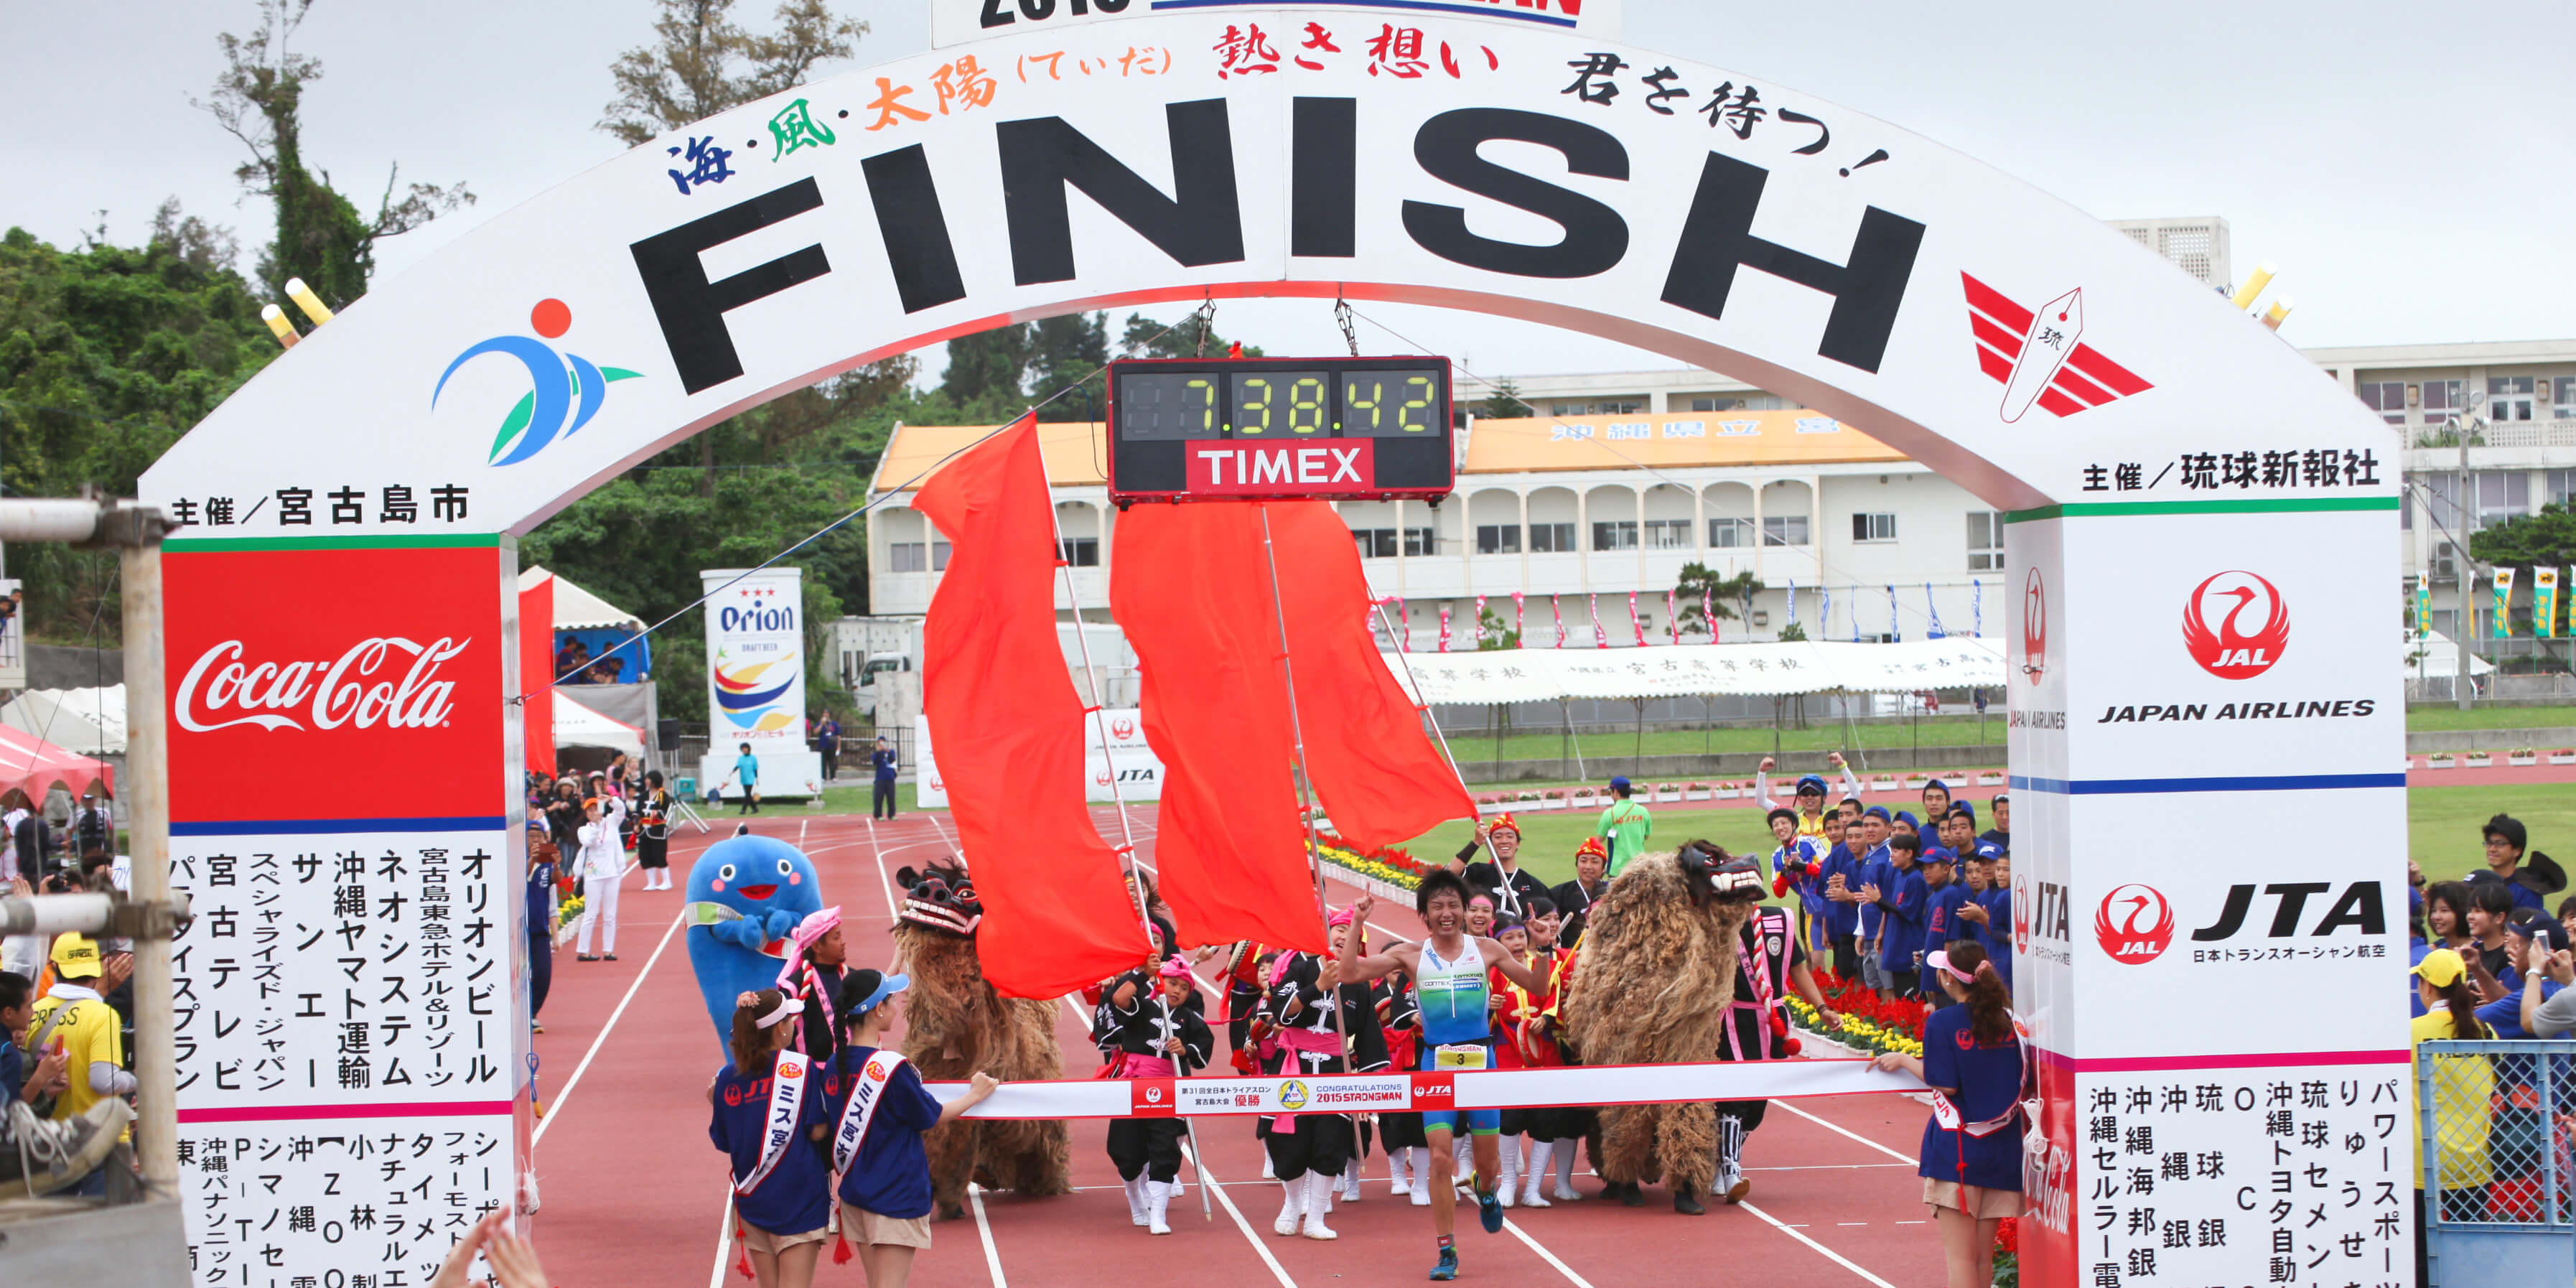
x: 2034, y: 626
x: 2134, y: 924
x: 2358, y: 907
x: 2253, y: 625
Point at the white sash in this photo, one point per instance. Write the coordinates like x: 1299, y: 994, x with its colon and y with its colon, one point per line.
x: 778, y: 1130
x: 867, y: 1091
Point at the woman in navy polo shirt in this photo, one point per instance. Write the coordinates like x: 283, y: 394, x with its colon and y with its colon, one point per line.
x: 769, y: 1117
x: 1971, y: 1165
x: 879, y: 1111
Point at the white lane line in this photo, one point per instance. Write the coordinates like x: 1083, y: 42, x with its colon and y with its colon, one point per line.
x: 555, y: 1114
x: 1828, y: 1167
x: 1830, y: 1255
x: 884, y: 883
x: 801, y: 825
x: 1549, y: 1257
x: 1217, y: 1187
x: 1843, y: 1132
x: 724, y: 1241
x: 992, y: 1254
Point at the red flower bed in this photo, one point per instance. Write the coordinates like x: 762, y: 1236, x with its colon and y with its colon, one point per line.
x: 1394, y: 856
x: 1850, y: 997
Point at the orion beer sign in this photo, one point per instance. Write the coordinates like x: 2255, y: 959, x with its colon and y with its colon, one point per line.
x: 756, y: 681
x: 355, y: 970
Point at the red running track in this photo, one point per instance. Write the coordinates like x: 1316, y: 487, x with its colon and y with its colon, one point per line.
x: 634, y: 1193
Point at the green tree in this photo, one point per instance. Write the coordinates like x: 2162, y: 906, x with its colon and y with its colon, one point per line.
x: 988, y: 366
x: 107, y: 355
x: 1492, y: 634
x: 2527, y: 541
x: 1504, y: 403
x: 701, y: 63
x: 321, y: 237
x: 1731, y: 597
x: 1792, y: 631
x: 1143, y: 337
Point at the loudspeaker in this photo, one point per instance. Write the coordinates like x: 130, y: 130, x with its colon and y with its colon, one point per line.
x: 666, y: 735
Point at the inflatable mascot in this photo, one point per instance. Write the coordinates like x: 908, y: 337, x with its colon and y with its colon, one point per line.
x: 955, y: 1024
x: 746, y: 894
x: 1654, y: 982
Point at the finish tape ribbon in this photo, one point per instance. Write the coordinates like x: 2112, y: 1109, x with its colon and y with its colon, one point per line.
x: 1571, y: 1087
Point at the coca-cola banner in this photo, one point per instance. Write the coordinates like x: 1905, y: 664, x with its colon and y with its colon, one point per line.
x: 756, y: 684
x: 342, y: 765
x: 335, y: 684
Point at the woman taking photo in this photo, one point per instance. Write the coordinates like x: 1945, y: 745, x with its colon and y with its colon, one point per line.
x: 1971, y: 1160
x: 782, y: 1189
x: 653, y: 833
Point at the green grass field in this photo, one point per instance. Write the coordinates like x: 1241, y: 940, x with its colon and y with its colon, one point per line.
x: 2490, y: 718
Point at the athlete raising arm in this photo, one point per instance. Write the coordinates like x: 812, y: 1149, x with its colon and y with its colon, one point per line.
x: 1448, y: 972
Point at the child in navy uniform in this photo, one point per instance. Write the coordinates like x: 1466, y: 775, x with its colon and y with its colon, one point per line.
x: 879, y: 1111
x: 769, y: 1117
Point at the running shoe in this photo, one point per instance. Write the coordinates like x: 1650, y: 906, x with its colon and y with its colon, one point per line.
x: 1448, y: 1267
x: 1489, y: 1210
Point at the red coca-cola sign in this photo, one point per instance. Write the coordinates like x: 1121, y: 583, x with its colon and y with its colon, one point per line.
x: 334, y: 684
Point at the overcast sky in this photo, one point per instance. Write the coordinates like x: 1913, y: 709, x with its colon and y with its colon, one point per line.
x: 2412, y: 190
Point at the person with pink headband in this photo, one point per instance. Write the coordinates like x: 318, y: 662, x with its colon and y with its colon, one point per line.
x: 1974, y: 1062
x: 812, y: 975
x: 1309, y: 1152
x: 1158, y: 1029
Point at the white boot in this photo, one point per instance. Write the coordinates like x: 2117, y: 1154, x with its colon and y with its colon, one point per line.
x: 1541, y: 1153
x: 1351, y: 1181
x: 1268, y: 1172
x: 1396, y: 1171
x: 1293, y: 1209
x: 1158, y: 1198
x: 1567, y: 1149
x: 1510, y: 1150
x: 1319, y: 1200
x: 1136, y: 1200
x: 1421, y: 1156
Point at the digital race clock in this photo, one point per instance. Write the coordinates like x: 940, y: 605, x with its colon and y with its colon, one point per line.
x: 1233, y: 428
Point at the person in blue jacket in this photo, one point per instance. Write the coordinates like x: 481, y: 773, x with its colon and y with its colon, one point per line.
x: 1842, y: 876
x: 1971, y: 1155
x: 879, y: 1111
x: 1943, y: 897
x: 769, y: 1118
x: 1900, y: 899
x: 1870, y: 867
x: 1987, y: 916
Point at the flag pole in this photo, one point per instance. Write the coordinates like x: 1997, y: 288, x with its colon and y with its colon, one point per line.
x: 1306, y: 795
x: 1118, y: 795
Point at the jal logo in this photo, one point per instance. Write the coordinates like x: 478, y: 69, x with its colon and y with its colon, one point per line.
x: 2358, y: 907
x: 2135, y: 924
x: 2235, y: 625
x: 2034, y: 626
x: 2021, y: 914
x: 360, y: 689
x: 1100, y: 778
x: 733, y: 1096
x: 1122, y: 728
x: 1153, y: 1095
x: 562, y: 386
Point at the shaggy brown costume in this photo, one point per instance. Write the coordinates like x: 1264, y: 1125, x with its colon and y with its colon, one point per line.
x: 1651, y: 985
x: 955, y: 1024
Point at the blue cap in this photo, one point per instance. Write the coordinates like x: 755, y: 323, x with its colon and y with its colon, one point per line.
x: 1945, y: 787
x: 1810, y: 783
x: 1988, y: 850
x: 1938, y: 854
x: 1878, y: 812
x: 1619, y: 784
x: 1908, y: 820
x: 1963, y: 807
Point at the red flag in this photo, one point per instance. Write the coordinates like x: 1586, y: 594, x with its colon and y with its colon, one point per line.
x: 1008, y: 726
x: 1381, y: 778
x: 537, y: 673
x: 1191, y: 586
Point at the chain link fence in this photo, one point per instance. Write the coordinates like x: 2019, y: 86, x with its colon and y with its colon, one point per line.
x: 2498, y: 1126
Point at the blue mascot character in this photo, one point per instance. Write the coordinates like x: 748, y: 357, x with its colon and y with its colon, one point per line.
x: 746, y: 895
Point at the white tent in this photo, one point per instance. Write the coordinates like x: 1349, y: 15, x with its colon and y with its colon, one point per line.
x: 88, y: 721
x: 579, y: 610
x: 579, y: 726
x: 2436, y: 657
x: 1687, y: 670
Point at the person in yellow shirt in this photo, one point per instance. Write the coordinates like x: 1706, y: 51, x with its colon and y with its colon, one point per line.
x: 2463, y: 1087
x: 75, y: 1015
